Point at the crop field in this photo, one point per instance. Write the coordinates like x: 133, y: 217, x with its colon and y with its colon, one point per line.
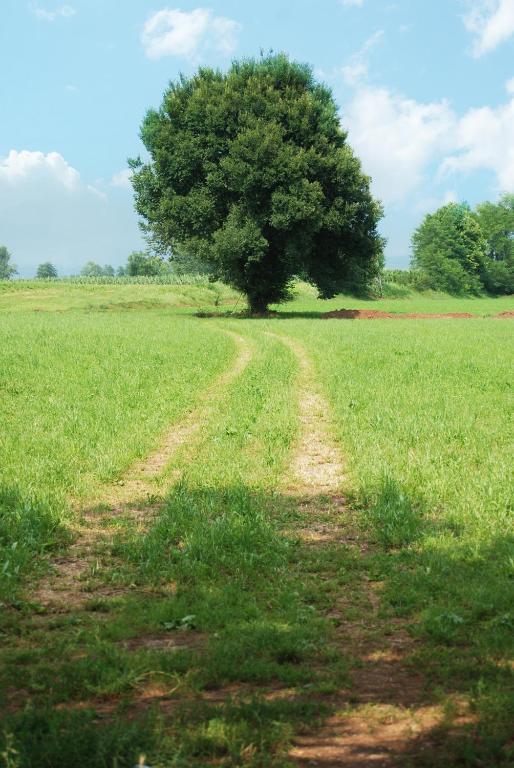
x: 275, y: 542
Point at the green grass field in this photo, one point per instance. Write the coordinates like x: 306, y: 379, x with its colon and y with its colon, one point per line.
x: 204, y: 625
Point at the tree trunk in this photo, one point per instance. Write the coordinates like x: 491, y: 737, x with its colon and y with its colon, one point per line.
x: 258, y: 305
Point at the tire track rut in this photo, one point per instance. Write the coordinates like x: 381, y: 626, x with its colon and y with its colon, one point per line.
x: 380, y: 716
x: 138, y: 498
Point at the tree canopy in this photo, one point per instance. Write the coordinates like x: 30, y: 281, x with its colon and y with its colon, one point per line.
x: 459, y: 250
x: 251, y: 173
x: 450, y: 249
x: 496, y: 221
x: 46, y: 271
x: 141, y: 263
x: 7, y: 268
x: 92, y: 269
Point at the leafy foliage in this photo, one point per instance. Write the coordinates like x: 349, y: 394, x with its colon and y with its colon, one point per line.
x: 462, y: 251
x: 497, y: 224
x: 450, y: 249
x: 7, y: 268
x: 46, y: 271
x: 251, y: 173
x: 140, y: 263
x: 91, y: 269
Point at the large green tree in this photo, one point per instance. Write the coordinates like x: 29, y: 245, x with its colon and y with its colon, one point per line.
x: 7, y: 268
x: 251, y: 173
x: 449, y: 250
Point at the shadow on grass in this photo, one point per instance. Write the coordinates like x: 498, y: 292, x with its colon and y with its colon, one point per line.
x: 272, y: 315
x: 273, y: 662
x: 456, y: 592
x: 29, y: 528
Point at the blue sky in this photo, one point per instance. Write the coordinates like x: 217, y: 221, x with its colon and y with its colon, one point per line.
x: 425, y: 89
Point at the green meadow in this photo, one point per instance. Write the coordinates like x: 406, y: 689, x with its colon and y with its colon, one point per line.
x: 206, y: 632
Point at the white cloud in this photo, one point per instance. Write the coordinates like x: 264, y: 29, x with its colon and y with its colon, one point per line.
x: 491, y: 22
x: 509, y: 85
x: 485, y: 141
x: 357, y: 68
x: 63, y: 11
x: 188, y: 34
x: 405, y: 144
x: 397, y: 139
x: 354, y: 3
x: 122, y: 179
x: 49, y: 213
x: 16, y: 167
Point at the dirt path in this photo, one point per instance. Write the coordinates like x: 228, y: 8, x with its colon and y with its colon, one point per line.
x: 375, y: 314
x: 378, y: 718
x: 135, y: 500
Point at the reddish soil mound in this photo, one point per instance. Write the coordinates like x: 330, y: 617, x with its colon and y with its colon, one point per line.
x: 374, y: 314
x: 507, y: 313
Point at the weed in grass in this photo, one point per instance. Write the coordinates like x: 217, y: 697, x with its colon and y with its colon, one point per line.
x: 393, y: 515
x: 28, y: 529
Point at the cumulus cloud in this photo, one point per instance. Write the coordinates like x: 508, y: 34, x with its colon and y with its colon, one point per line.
x: 397, y: 138
x: 17, y: 167
x: 49, y: 213
x: 188, y: 34
x: 404, y: 144
x: 491, y: 22
x: 485, y: 141
x: 63, y: 11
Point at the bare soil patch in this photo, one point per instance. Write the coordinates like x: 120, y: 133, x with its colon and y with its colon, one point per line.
x: 375, y: 314
x: 170, y: 641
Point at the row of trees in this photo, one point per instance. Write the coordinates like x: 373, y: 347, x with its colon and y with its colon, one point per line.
x: 460, y: 250
x: 138, y: 263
